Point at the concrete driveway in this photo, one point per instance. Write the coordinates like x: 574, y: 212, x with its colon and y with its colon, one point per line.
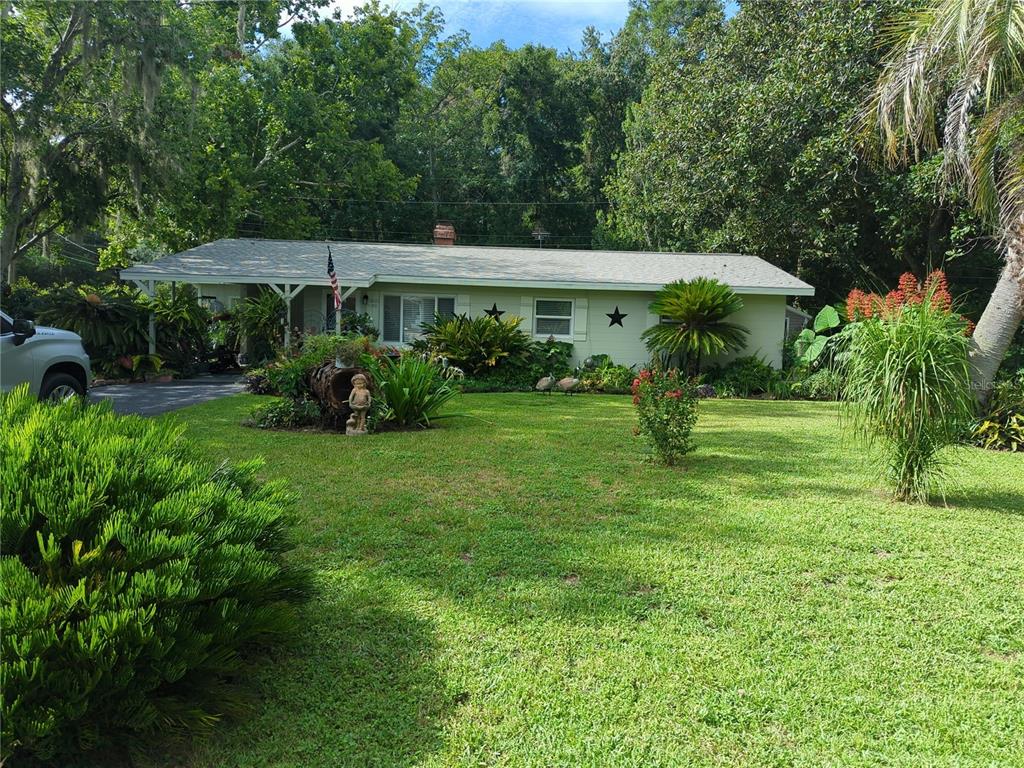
x: 152, y: 399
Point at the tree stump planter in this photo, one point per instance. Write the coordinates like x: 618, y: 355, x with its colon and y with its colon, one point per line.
x: 330, y: 387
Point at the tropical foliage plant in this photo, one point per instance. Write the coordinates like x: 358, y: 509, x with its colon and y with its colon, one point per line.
x: 822, y: 384
x: 955, y: 66
x: 1002, y: 426
x: 694, y: 321
x: 182, y: 325
x: 414, y: 390
x: 811, y: 342
x: 357, y: 324
x: 477, y: 345
x: 261, y: 323
x: 112, y: 321
x: 743, y: 377
x: 907, y: 388
x: 603, y: 375
x: 285, y: 413
x: 666, y: 406
x: 134, y: 579
x: 349, y: 348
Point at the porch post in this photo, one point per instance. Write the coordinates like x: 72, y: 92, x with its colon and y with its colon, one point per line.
x: 290, y: 292
x: 288, y: 316
x: 337, y: 310
x: 147, y: 287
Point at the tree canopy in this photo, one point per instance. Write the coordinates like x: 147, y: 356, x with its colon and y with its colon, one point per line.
x: 156, y: 126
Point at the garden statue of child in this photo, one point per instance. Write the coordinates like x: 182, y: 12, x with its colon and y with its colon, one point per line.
x: 359, y: 401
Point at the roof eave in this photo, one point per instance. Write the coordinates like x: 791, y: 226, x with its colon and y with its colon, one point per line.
x: 802, y: 290
x: 137, y: 273
x: 140, y: 272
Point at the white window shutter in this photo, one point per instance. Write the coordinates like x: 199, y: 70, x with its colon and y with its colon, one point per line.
x: 526, y: 312
x: 579, y: 321
x: 462, y: 304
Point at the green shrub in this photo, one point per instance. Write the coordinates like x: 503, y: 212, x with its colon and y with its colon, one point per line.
x: 182, y: 326
x: 743, y: 377
x: 549, y: 358
x: 134, y: 578
x: 257, y: 382
x: 356, y: 324
x: 113, y: 323
x: 907, y: 384
x: 261, y: 321
x: 823, y: 384
x: 322, y: 347
x: 285, y: 413
x: 607, y: 377
x: 666, y: 406
x: 414, y: 390
x: 22, y: 299
x: 519, y: 380
x: 1002, y: 427
x: 476, y: 345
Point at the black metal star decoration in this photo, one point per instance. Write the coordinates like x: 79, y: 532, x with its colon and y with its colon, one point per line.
x: 494, y: 312
x: 616, y: 317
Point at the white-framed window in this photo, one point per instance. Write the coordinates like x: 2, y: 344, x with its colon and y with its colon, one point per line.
x: 405, y: 314
x: 553, y: 317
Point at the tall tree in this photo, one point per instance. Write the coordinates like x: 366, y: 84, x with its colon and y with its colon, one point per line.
x: 960, y: 64
x: 80, y: 87
x: 744, y: 145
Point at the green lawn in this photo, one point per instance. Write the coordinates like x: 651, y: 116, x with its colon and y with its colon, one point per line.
x: 520, y: 587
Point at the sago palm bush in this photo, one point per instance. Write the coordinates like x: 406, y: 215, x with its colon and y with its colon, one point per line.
x: 134, y: 577
x: 476, y: 345
x: 907, y: 382
x: 694, y: 321
x: 112, y: 321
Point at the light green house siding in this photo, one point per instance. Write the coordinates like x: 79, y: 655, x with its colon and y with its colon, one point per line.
x: 762, y: 315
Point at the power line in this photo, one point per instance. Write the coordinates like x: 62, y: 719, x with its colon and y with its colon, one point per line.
x: 591, y: 203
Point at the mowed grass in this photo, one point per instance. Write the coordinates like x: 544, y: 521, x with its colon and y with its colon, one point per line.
x: 520, y: 587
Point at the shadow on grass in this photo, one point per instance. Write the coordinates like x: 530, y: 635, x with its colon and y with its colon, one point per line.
x: 997, y: 501
x: 359, y: 688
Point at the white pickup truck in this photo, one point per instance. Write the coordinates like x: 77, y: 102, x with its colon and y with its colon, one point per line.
x: 52, y: 361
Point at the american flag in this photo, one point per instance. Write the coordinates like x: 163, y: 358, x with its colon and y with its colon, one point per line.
x: 334, y: 279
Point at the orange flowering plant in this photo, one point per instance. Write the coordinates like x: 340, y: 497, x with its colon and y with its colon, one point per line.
x: 907, y: 379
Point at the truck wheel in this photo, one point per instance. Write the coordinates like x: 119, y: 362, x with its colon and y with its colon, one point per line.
x: 58, y: 387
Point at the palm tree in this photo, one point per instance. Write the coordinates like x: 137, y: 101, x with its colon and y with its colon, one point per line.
x: 967, y: 55
x: 694, y: 324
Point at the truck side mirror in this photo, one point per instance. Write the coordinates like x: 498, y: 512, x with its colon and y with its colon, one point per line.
x: 23, y: 329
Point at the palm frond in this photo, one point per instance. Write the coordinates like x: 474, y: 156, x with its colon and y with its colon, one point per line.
x: 970, y: 54
x: 695, y: 315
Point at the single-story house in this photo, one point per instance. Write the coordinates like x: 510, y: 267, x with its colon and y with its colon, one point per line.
x: 598, y: 300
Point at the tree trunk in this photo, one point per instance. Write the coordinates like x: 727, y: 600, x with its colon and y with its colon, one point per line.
x: 331, y: 387
x: 1000, y: 320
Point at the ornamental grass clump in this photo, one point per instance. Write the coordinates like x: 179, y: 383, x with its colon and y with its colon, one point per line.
x: 666, y: 406
x: 906, y: 381
x: 413, y: 390
x: 134, y: 579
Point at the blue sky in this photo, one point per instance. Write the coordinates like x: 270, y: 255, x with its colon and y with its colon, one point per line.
x: 555, y: 23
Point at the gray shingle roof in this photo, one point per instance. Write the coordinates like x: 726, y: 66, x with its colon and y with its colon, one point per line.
x: 362, y: 264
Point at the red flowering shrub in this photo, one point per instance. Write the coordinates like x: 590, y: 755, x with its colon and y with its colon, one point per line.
x: 666, y: 405
x: 863, y: 306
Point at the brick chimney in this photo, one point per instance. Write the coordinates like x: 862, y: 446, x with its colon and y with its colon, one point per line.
x: 444, y: 233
